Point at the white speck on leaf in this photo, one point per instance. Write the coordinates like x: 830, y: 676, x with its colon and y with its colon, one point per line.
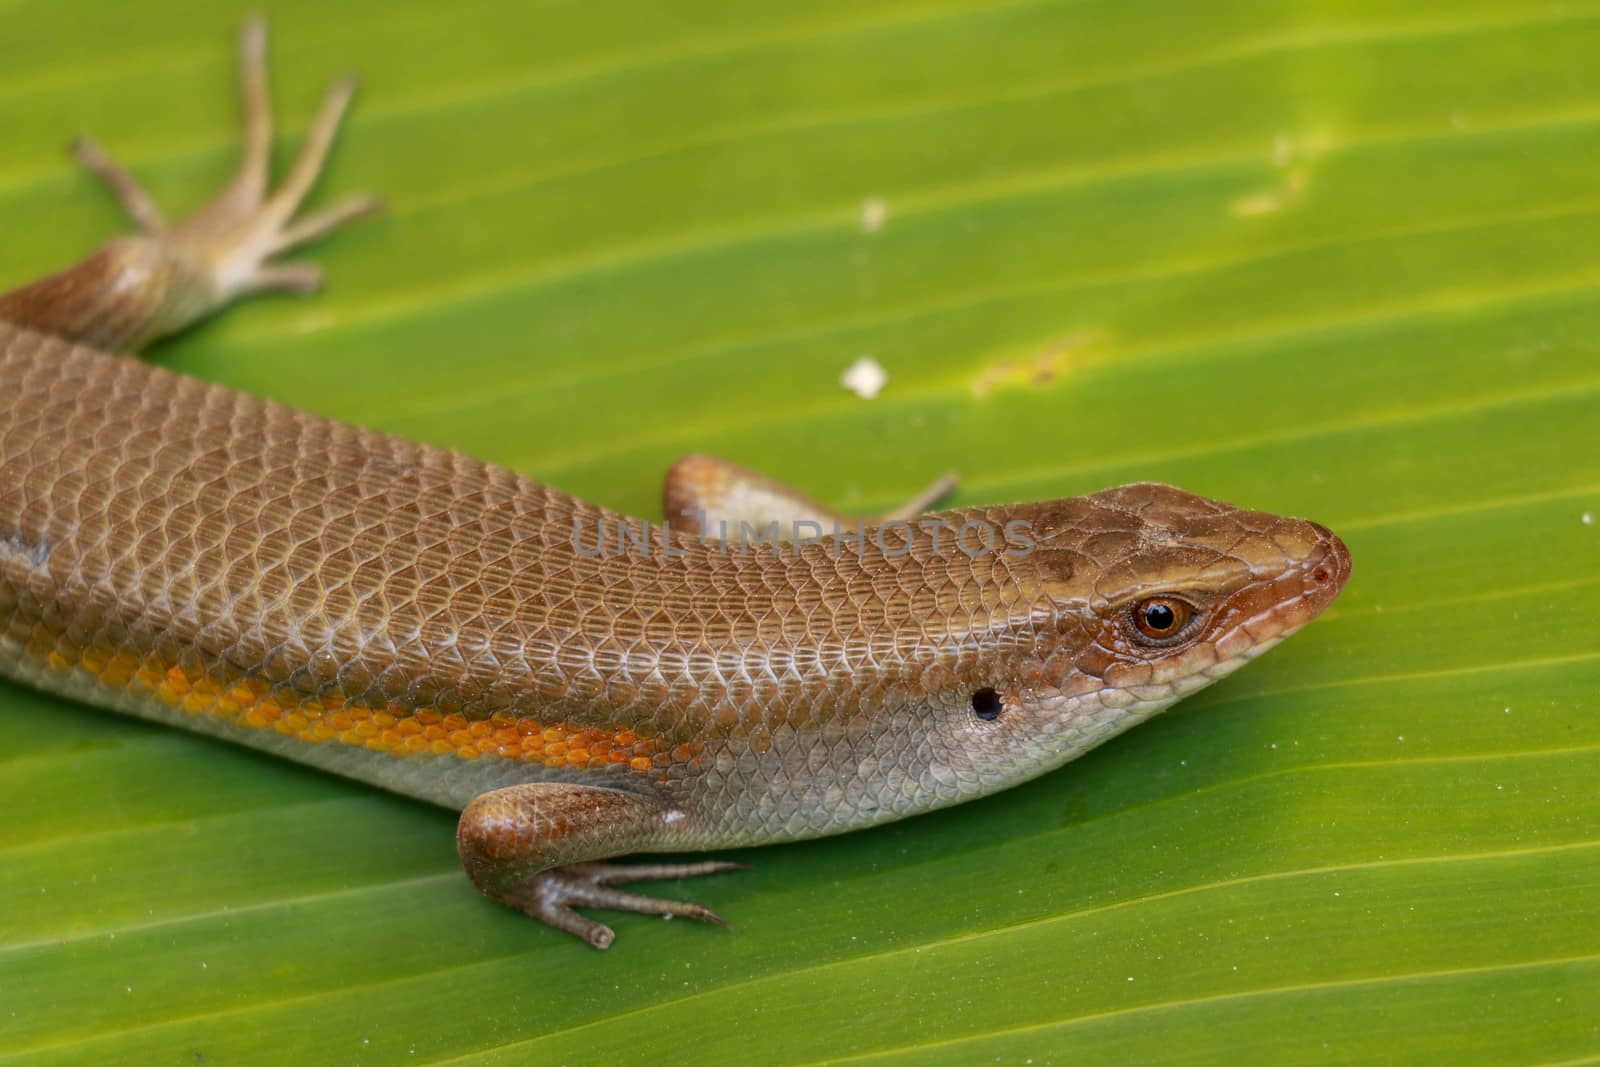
x: 1293, y: 156
x: 865, y: 378
x: 1272, y: 200
x: 874, y: 213
x: 1587, y: 518
x: 314, y: 322
x: 1283, y: 150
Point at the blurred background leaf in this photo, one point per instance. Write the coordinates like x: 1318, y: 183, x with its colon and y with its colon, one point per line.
x: 1330, y: 258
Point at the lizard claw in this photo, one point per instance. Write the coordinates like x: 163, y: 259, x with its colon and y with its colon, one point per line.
x: 551, y: 895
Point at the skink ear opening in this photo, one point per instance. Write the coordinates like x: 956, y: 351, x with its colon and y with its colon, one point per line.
x: 986, y: 704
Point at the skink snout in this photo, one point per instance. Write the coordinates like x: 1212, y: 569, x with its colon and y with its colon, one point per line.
x: 1327, y: 566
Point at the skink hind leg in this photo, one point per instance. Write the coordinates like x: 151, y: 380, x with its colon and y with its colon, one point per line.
x: 144, y: 286
x: 532, y: 847
x: 707, y: 495
x: 239, y: 234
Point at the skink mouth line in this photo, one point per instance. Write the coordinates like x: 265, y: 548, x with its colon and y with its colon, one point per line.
x: 1248, y: 637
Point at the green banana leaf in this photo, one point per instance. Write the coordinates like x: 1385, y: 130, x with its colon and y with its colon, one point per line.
x: 1338, y: 259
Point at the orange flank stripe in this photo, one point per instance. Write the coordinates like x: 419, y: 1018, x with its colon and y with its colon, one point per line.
x: 332, y: 717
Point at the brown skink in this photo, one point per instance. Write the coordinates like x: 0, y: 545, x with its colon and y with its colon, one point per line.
x: 583, y: 685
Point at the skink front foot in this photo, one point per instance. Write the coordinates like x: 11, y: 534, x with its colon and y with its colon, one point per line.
x: 533, y: 848
x: 551, y: 895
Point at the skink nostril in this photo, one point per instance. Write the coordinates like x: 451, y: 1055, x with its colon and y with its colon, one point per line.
x: 1334, y: 568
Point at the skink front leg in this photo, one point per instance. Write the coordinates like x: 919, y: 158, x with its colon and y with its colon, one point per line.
x: 532, y: 848
x: 716, y: 498
x: 137, y: 288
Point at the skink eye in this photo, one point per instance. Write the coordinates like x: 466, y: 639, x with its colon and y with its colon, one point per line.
x: 1161, y: 617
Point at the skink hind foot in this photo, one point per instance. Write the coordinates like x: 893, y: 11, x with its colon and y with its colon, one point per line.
x: 152, y: 283
x: 233, y: 241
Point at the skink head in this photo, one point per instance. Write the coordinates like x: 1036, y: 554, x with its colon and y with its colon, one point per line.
x: 1176, y: 584
x: 1138, y: 596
